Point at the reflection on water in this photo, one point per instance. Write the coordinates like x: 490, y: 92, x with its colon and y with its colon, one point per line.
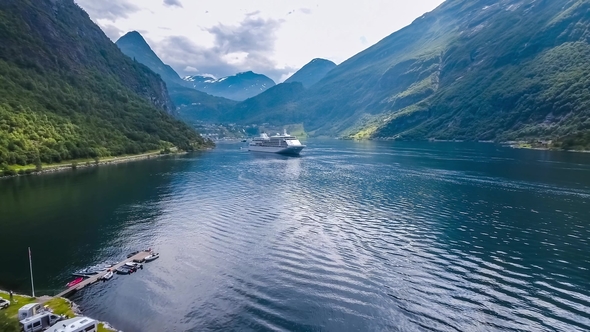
x: 350, y: 236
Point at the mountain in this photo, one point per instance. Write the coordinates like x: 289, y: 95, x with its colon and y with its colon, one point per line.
x: 473, y: 70
x: 274, y: 104
x: 237, y: 87
x: 196, y: 106
x: 312, y: 72
x: 67, y: 92
x: 193, y: 105
x: 134, y: 45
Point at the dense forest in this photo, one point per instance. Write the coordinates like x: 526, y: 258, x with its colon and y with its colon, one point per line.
x: 67, y: 92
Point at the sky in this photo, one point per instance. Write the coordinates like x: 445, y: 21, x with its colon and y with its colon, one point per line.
x: 271, y: 37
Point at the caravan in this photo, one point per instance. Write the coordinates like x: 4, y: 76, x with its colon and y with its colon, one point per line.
x: 39, y: 322
x: 77, y: 324
x: 30, y: 310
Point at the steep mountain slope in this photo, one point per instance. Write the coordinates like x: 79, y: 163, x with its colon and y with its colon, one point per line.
x: 66, y: 91
x: 312, y: 72
x: 483, y: 69
x: 515, y: 70
x: 193, y: 105
x: 275, y: 104
x: 196, y: 106
x: 134, y: 45
x: 237, y: 87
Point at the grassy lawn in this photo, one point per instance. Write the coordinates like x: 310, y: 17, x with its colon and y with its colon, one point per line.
x: 101, y: 328
x: 16, y: 303
x: 59, y: 306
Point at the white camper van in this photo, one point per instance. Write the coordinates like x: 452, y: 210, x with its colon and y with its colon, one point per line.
x: 30, y: 310
x: 77, y: 324
x: 39, y: 322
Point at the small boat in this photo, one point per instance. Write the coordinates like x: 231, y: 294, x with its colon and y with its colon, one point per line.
x: 123, y: 270
x: 108, y: 275
x: 133, y: 265
x: 81, y: 275
x: 92, y: 270
x: 74, y: 282
x: 152, y: 257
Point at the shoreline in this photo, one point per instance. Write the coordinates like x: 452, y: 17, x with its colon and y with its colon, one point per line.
x: 74, y: 165
x: 528, y: 146
x: 508, y: 144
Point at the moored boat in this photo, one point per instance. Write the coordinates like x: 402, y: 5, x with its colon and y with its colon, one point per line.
x: 152, y: 257
x: 74, y: 282
x: 133, y: 265
x: 123, y: 270
x: 92, y: 270
x: 108, y: 275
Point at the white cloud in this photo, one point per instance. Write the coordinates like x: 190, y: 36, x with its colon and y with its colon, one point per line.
x: 109, y: 9
x: 201, y: 33
x: 190, y: 69
x: 172, y: 3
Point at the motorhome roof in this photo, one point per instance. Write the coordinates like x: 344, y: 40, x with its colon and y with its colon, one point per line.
x: 29, y: 306
x: 35, y: 317
x: 73, y: 324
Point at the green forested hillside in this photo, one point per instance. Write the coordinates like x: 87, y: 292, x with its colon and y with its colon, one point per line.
x: 277, y: 102
x: 196, y: 106
x: 474, y: 70
x: 67, y: 92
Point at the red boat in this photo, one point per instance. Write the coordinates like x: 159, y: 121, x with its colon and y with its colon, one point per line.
x: 74, y: 282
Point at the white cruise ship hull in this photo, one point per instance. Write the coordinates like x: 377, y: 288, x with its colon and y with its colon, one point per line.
x: 289, y: 150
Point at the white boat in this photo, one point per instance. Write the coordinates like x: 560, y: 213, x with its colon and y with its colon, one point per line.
x: 282, y: 144
x: 108, y: 275
x: 134, y: 265
x: 152, y: 257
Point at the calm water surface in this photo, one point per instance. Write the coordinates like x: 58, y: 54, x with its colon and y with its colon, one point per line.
x: 370, y: 236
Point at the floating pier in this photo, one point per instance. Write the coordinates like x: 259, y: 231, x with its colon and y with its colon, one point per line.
x: 95, y: 278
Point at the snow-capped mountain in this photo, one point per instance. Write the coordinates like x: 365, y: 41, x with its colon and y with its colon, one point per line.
x: 237, y: 87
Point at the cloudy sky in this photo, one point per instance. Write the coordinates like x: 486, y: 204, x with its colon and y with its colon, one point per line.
x: 272, y: 37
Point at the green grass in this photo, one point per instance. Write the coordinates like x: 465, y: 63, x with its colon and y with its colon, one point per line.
x: 60, y: 306
x: 101, y: 328
x: 17, y: 302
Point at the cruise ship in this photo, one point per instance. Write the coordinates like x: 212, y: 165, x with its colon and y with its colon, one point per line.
x: 283, y: 144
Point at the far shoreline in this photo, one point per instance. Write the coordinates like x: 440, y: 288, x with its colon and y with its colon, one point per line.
x: 88, y: 163
x: 509, y: 144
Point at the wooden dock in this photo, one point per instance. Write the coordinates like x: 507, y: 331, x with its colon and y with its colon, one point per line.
x: 95, y: 278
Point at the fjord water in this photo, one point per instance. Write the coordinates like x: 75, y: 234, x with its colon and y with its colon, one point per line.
x: 352, y: 236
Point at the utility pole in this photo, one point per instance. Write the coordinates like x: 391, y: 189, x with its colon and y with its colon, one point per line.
x: 31, y: 267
